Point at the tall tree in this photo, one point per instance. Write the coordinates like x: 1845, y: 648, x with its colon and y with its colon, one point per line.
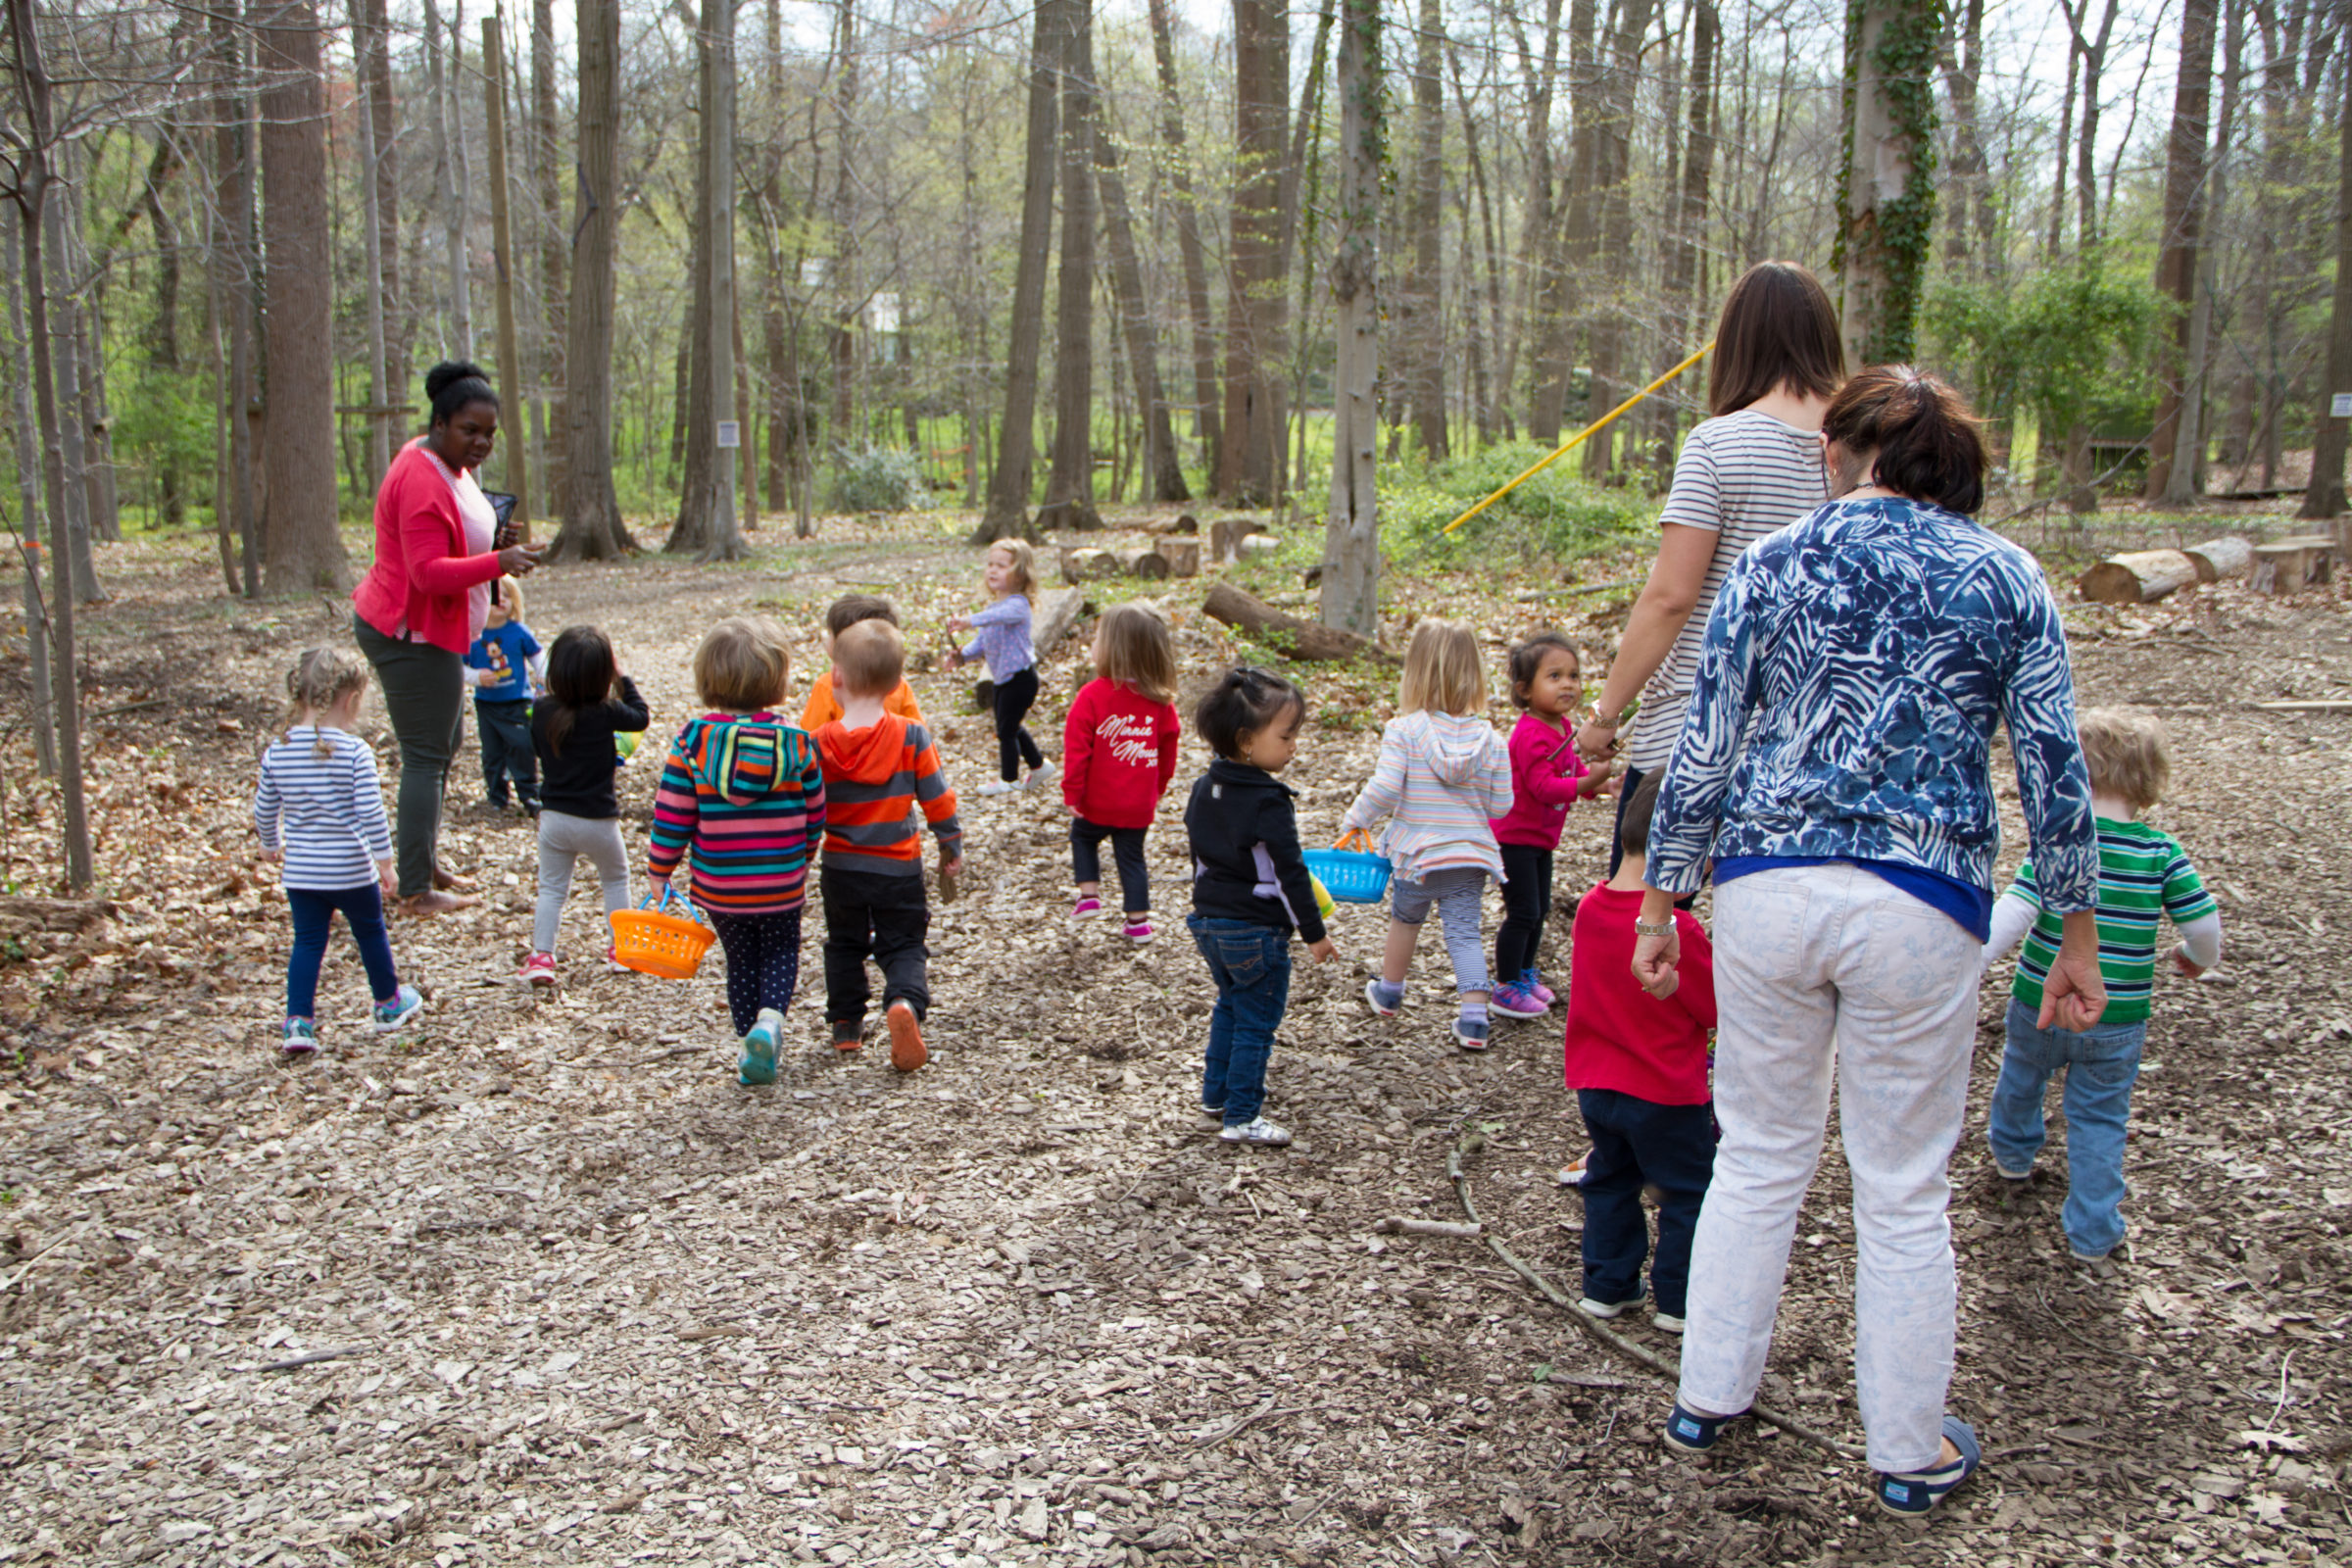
x: 1886, y: 190
x: 1491, y: 400
x: 1684, y: 233
x: 1257, y: 314
x: 1207, y: 422
x: 1163, y: 466
x: 592, y: 526
x: 517, y: 448
x: 2323, y: 497
x: 1071, y: 481
x: 235, y: 265
x: 1008, y: 487
x: 379, y: 246
x: 448, y: 175
x: 1537, y: 299
x: 1974, y: 217
x: 706, y: 526
x: 301, y: 548
x: 2177, y: 267
x: 27, y: 451
x: 843, y: 332
x: 2091, y: 52
x: 547, y: 166
x: 1612, y: 198
x: 1421, y: 318
x: 1351, y: 529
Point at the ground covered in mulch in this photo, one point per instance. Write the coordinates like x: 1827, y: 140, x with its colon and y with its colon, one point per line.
x: 536, y: 1282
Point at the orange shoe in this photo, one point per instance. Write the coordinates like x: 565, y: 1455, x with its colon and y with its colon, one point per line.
x: 907, y: 1050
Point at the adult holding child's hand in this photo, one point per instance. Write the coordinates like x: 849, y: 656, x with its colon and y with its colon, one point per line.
x: 1836, y: 765
x: 423, y: 603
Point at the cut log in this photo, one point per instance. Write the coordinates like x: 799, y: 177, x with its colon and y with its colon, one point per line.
x: 1259, y: 544
x: 1056, y: 612
x: 2216, y: 559
x: 1185, y: 525
x: 1450, y: 1229
x: 1087, y: 563
x: 1288, y: 635
x: 2289, y: 565
x: 2139, y: 578
x: 1183, y: 556
x: 1149, y: 564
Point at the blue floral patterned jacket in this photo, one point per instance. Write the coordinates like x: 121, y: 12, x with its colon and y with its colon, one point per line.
x: 1854, y: 668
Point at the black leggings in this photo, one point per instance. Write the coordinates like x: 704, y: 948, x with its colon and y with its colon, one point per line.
x: 1525, y: 901
x: 1126, y: 849
x: 1017, y: 694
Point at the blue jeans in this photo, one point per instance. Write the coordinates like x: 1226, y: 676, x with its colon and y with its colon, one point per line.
x: 2101, y: 1065
x: 313, y: 919
x: 1637, y: 1144
x: 1252, y: 966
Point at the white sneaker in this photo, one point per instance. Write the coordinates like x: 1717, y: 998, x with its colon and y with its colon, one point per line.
x: 996, y: 786
x: 1666, y: 1322
x: 1040, y: 777
x: 1260, y: 1131
x: 1603, y: 1310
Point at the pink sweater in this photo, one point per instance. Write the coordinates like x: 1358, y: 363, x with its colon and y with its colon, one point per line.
x: 1546, y: 777
x: 421, y: 570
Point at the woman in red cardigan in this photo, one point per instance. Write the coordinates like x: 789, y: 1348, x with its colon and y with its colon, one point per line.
x: 424, y: 602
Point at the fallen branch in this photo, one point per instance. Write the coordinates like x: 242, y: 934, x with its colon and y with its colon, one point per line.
x: 1609, y: 1339
x: 1398, y: 1225
x: 334, y: 1353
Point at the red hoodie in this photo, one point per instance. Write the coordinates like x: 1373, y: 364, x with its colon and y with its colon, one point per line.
x: 1119, y: 752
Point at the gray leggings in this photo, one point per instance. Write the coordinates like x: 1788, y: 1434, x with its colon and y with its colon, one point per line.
x: 1459, y: 893
x: 562, y: 841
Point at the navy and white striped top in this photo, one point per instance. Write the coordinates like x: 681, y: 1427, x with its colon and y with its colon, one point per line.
x: 326, y: 812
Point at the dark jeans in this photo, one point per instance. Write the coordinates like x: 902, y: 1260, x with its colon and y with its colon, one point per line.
x: 1638, y: 1144
x: 313, y: 919
x: 1126, y: 849
x: 506, y: 729
x: 879, y: 914
x: 1525, y: 901
x: 424, y: 698
x: 1252, y: 966
x: 764, y: 962
x: 1017, y: 694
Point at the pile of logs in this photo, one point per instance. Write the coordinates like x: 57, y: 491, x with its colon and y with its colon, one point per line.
x: 2143, y: 577
x: 1169, y: 558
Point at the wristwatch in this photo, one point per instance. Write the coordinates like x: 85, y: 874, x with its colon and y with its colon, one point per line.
x: 1616, y: 720
x: 1646, y: 928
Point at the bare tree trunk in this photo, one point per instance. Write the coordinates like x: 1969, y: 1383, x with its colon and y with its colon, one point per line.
x: 1164, y: 468
x: 1422, y: 317
x: 592, y: 526
x: 2324, y: 497
x: 1256, y: 323
x: 2093, y: 55
x: 2177, y: 266
x: 233, y: 257
x: 1070, y: 482
x: 1351, y: 589
x: 449, y: 173
x: 302, y: 550
x: 707, y: 526
x: 2188, y: 452
x: 1208, y: 424
x: 1569, y: 242
x: 845, y: 332
x: 364, y: 41
x: 85, y: 310
x: 1699, y: 166
x: 1492, y: 399
x: 2066, y: 133
x: 553, y: 248
x: 28, y: 507
x: 1613, y: 191
x: 516, y: 449
x: 1008, y: 487
x: 1963, y: 71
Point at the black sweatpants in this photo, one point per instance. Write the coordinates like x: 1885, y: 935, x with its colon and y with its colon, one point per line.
x: 883, y: 916
x: 1017, y: 694
x: 764, y: 962
x: 1126, y: 849
x: 1525, y: 901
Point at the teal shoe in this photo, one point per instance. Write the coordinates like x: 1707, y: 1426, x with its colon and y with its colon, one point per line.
x: 406, y: 1004
x: 301, y: 1038
x: 758, y: 1063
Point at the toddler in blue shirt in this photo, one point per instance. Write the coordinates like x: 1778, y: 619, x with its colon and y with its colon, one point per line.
x: 506, y: 669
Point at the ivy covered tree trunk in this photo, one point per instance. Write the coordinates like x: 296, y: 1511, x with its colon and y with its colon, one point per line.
x: 1352, y: 532
x: 1886, y: 197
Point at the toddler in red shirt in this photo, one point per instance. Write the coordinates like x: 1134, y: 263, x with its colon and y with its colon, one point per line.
x: 1638, y: 1066
x: 1119, y: 752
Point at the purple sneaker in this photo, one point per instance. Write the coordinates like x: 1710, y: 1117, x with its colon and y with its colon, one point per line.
x: 1512, y: 1001
x: 1532, y: 980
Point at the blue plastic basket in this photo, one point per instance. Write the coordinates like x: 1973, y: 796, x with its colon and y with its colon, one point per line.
x: 1351, y: 876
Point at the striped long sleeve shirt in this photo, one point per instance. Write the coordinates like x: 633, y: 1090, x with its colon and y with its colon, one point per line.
x: 741, y: 799
x: 325, y: 811
x: 876, y: 779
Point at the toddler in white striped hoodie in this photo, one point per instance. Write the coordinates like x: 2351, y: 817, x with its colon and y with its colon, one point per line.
x: 1444, y: 776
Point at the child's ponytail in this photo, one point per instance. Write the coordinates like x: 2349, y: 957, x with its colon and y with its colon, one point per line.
x: 323, y: 677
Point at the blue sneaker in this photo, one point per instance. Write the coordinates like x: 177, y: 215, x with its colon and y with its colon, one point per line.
x: 406, y: 1004
x: 758, y: 1063
x: 1471, y: 1030
x: 1384, y: 998
x: 301, y: 1038
x: 1696, y: 1434
x: 1911, y: 1493
x: 1514, y: 1000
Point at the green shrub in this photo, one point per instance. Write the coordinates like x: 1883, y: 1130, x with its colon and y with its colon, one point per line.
x: 1554, y: 515
x: 873, y: 479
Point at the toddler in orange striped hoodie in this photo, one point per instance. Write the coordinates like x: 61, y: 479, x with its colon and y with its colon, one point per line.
x: 879, y: 770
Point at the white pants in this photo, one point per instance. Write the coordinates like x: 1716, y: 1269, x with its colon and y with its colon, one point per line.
x: 562, y: 840
x: 1832, y: 975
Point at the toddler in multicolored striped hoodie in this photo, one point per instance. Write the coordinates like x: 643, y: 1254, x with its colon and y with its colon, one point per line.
x: 742, y: 798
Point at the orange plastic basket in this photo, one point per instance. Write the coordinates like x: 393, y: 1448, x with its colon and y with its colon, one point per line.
x: 652, y: 941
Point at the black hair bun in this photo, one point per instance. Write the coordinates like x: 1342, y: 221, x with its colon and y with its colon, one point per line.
x: 448, y: 373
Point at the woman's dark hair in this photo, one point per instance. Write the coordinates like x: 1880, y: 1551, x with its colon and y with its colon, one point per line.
x: 579, y: 675
x: 1633, y: 828
x: 1779, y: 329
x: 1245, y: 701
x: 453, y: 384
x: 1527, y: 661
x: 1920, y: 435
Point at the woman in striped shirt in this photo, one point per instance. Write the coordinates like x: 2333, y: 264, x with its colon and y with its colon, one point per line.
x: 1749, y: 470
x: 319, y: 811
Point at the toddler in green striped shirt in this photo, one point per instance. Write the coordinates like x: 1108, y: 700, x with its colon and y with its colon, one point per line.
x: 2144, y: 875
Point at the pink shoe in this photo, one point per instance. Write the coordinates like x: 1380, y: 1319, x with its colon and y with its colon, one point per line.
x: 1139, y: 932
x: 1537, y: 989
x: 1085, y: 907
x: 539, y: 969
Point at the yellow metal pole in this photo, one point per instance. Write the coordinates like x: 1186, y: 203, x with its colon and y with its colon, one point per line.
x: 1578, y: 439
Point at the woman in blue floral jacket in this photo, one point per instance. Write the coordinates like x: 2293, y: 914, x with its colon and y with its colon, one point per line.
x: 1836, y: 765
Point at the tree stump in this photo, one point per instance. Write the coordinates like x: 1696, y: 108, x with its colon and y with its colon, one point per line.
x: 1087, y: 563
x: 2289, y: 565
x: 1147, y: 564
x: 1286, y: 634
x: 1225, y: 536
x: 1070, y: 516
x: 2140, y: 577
x: 1185, y: 525
x: 2216, y: 559
x: 1183, y: 556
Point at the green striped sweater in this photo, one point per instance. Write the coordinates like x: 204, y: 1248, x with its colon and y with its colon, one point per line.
x: 2142, y: 874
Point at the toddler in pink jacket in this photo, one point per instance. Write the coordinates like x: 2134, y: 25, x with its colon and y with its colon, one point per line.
x: 1546, y: 778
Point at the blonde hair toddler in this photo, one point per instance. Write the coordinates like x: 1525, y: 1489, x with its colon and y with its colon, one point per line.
x: 1001, y: 636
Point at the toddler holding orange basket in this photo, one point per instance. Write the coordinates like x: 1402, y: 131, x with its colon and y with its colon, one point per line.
x: 742, y: 798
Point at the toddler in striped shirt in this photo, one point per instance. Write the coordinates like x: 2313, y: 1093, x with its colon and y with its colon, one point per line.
x: 319, y: 811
